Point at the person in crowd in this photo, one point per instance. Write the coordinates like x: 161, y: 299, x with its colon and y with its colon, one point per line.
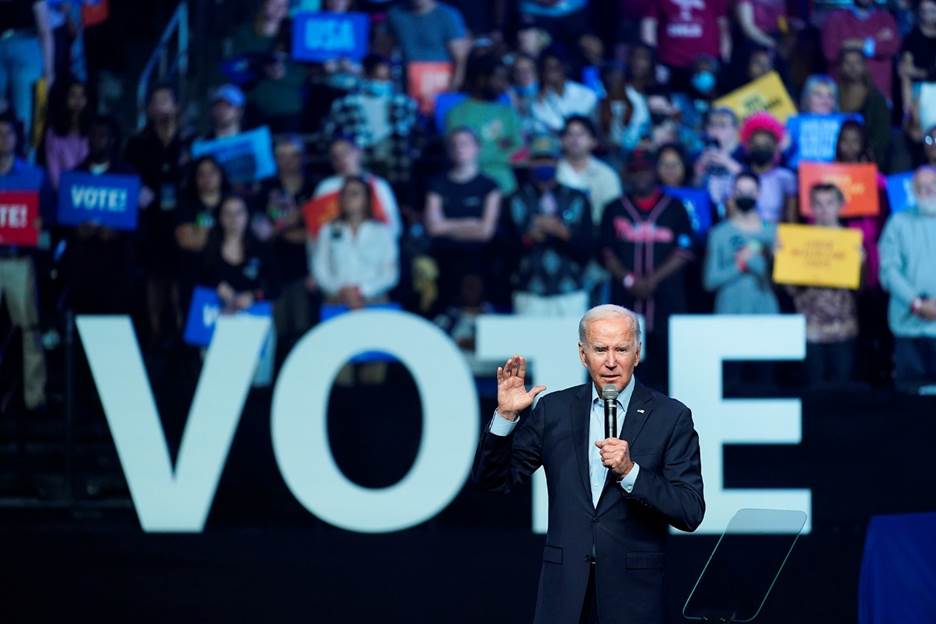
x: 227, y: 112
x: 159, y: 154
x: 646, y: 246
x: 908, y: 254
x: 737, y: 263
x: 99, y: 264
x: 682, y: 31
x: 820, y: 95
x: 347, y: 160
x: 27, y: 53
x: 870, y: 32
x: 918, y: 52
x: 356, y: 260
x: 378, y: 119
x: 551, y: 227
x: 237, y: 266
x: 496, y: 125
x: 199, y: 206
x: 459, y: 321
x: 761, y: 21
x: 673, y: 167
x: 760, y: 62
x: 278, y: 222
x: 579, y: 169
x: 462, y: 212
x: 623, y: 113
x: 720, y: 160
x: 276, y: 96
x: 559, y: 98
x: 431, y: 31
x: 762, y: 136
x: 18, y: 270
x: 929, y: 148
x: 857, y: 94
x: 831, y: 313
x: 523, y: 89
x: 65, y: 145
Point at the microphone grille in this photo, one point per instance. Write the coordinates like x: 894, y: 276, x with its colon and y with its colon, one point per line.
x: 609, y: 392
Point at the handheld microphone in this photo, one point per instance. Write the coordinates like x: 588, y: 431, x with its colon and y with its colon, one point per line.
x: 610, y: 394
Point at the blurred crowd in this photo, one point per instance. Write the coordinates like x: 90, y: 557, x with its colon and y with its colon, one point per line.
x: 575, y: 155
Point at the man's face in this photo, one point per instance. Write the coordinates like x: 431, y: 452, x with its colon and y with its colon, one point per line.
x: 722, y: 128
x: 7, y: 139
x: 163, y: 105
x: 577, y: 141
x: 225, y: 113
x: 924, y: 185
x: 610, y: 351
x: 853, y: 66
x: 826, y: 207
x: 288, y: 158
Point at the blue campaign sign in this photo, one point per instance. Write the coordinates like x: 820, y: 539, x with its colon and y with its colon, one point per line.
x: 698, y: 204
x: 330, y: 311
x: 815, y: 137
x: 900, y: 191
x: 323, y: 36
x: 111, y: 201
x: 204, y: 312
x: 246, y: 157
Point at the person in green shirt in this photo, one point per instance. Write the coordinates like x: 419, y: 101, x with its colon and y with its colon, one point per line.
x: 276, y: 95
x: 496, y: 125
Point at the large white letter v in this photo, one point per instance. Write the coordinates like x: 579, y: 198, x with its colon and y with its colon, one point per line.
x: 167, y: 499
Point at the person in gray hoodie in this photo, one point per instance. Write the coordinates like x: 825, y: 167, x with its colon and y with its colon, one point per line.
x: 908, y: 273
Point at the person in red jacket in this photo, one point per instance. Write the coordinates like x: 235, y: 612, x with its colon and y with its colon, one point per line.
x: 871, y: 30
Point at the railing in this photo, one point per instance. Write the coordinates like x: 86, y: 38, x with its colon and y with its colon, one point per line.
x: 161, y: 65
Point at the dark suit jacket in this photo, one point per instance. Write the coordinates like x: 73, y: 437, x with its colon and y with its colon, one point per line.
x: 628, y: 531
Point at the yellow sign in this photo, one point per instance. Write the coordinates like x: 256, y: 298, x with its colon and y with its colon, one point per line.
x: 767, y: 93
x: 809, y: 255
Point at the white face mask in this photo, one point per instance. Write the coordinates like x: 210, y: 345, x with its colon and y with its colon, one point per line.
x: 927, y: 206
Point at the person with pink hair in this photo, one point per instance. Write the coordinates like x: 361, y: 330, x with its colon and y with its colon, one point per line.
x: 762, y: 136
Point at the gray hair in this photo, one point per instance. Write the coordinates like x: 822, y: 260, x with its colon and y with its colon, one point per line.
x: 608, y: 311
x: 818, y: 80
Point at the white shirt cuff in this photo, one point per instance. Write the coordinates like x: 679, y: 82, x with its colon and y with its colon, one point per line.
x: 628, y: 482
x: 500, y: 426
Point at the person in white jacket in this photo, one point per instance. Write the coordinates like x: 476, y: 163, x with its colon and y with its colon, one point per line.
x: 356, y: 261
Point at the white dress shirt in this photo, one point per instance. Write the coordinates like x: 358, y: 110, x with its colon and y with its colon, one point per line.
x: 551, y: 109
x: 597, y: 472
x: 367, y: 258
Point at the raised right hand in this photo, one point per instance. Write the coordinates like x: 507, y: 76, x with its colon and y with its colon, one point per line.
x: 512, y: 395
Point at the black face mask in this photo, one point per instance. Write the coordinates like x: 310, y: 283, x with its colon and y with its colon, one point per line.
x: 745, y: 204
x: 761, y: 156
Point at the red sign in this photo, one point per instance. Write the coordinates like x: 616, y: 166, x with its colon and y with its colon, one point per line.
x: 19, y: 215
x: 320, y: 210
x: 426, y: 80
x: 94, y: 12
x: 858, y: 183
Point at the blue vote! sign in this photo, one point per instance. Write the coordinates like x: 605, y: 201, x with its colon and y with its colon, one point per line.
x: 900, y: 191
x: 204, y: 312
x: 111, y: 201
x: 323, y: 36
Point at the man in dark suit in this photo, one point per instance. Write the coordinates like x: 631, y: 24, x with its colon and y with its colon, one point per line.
x: 611, y: 500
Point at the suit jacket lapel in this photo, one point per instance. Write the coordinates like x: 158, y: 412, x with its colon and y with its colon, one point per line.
x: 641, y: 404
x: 581, y: 416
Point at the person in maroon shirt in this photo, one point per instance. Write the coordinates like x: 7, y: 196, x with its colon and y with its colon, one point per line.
x: 683, y: 30
x: 871, y: 31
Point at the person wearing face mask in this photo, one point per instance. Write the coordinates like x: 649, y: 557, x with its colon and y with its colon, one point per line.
x: 870, y: 31
x: 761, y: 136
x: 737, y: 263
x: 379, y: 119
x: 908, y: 255
x: 551, y: 228
x: 646, y: 245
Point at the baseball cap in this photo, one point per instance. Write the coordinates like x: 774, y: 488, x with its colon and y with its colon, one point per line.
x: 545, y: 146
x: 228, y: 93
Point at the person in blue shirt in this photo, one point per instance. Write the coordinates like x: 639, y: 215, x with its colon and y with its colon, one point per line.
x: 17, y: 265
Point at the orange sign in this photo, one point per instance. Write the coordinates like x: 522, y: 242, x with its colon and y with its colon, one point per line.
x: 320, y: 210
x: 858, y: 182
x: 427, y: 80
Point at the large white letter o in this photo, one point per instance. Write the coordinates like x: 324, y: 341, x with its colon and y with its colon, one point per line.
x: 450, y: 421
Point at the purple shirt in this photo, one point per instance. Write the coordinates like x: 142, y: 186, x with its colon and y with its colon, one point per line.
x: 775, y: 186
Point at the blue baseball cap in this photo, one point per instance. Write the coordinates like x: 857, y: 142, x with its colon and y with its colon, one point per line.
x: 229, y: 93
